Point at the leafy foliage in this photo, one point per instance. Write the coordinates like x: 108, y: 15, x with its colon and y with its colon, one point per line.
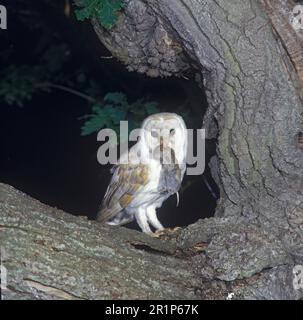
x: 115, y: 108
x: 105, y: 11
x: 48, y: 63
x: 16, y: 85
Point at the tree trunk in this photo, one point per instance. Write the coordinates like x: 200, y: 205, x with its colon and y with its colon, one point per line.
x: 252, y: 82
x: 48, y: 254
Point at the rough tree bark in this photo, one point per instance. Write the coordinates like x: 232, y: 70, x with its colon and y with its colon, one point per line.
x: 237, y: 53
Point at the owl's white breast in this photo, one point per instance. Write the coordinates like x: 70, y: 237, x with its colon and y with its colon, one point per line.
x: 149, y: 194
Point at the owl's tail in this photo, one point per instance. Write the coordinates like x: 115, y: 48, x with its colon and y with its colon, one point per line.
x: 114, y: 215
x: 103, y: 214
x: 113, y: 218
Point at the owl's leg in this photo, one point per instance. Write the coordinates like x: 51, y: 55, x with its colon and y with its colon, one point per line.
x: 153, y: 219
x: 142, y: 221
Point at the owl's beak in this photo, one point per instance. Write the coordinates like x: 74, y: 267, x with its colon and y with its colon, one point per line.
x: 163, y: 144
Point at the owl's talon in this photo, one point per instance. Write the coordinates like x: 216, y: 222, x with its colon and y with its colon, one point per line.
x: 172, y: 230
x: 154, y: 234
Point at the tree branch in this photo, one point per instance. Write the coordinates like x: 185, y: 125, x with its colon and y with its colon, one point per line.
x: 47, y: 85
x: 49, y: 254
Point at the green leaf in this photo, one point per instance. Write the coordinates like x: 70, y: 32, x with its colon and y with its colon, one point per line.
x: 108, y: 12
x: 105, y: 11
x: 115, y: 108
x: 93, y: 125
x: 97, y: 108
x: 82, y: 14
x: 115, y: 97
x: 118, y: 116
x: 17, y: 84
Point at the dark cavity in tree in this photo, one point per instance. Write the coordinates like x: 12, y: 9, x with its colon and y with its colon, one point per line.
x: 43, y: 152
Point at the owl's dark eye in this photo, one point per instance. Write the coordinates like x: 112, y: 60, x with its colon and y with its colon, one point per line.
x: 172, y: 132
x: 154, y: 133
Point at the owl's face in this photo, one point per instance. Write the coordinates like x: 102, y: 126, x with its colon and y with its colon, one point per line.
x: 165, y: 131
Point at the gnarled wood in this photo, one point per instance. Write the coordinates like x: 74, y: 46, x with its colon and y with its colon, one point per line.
x: 255, y: 110
x: 49, y: 254
x: 254, y: 105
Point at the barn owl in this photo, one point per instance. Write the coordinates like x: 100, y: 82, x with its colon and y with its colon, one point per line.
x: 154, y: 171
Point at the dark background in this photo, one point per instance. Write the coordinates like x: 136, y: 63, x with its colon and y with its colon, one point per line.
x: 42, y: 151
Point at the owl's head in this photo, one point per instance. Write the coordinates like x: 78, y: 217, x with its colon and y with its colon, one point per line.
x: 167, y: 130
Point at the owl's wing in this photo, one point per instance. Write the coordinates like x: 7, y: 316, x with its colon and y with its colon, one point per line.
x: 126, y: 183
